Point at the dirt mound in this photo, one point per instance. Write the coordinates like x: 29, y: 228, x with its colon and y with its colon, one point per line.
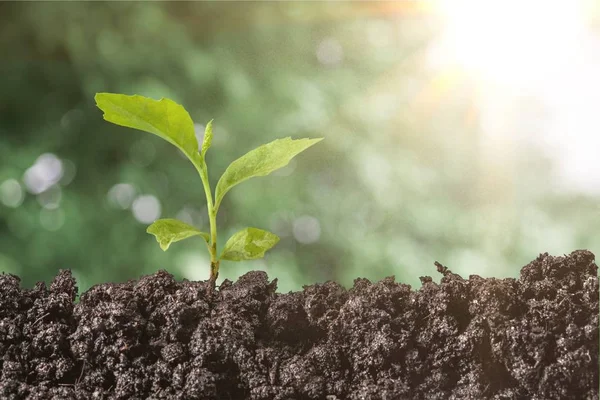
x: 156, y: 338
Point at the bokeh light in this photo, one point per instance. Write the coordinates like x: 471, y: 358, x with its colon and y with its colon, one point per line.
x: 45, y: 172
x: 121, y: 195
x: 11, y: 193
x: 146, y: 208
x: 307, y: 229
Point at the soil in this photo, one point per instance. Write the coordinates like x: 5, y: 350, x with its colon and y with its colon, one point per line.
x: 535, y: 337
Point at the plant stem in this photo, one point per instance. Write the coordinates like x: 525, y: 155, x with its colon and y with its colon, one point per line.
x: 212, y: 217
x: 214, y: 263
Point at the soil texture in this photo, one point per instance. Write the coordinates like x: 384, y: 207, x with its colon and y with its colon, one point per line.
x: 535, y: 337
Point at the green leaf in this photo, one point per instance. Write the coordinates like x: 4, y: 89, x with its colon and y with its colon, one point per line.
x: 260, y: 162
x: 208, y: 134
x: 248, y: 244
x: 170, y: 230
x: 164, y: 118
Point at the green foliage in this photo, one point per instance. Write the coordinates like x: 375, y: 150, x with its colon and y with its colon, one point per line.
x: 260, y: 162
x: 164, y: 118
x: 171, y: 122
x: 248, y: 244
x: 170, y: 230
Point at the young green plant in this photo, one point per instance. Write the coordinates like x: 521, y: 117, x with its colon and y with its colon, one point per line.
x: 171, y: 122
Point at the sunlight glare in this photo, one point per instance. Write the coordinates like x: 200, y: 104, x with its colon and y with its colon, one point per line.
x: 508, y: 42
x: 521, y: 56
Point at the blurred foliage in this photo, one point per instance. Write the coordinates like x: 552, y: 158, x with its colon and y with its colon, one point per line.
x: 398, y: 183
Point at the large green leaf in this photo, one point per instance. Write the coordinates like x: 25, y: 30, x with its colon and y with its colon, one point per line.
x: 170, y: 230
x: 164, y: 118
x: 248, y: 244
x: 260, y: 162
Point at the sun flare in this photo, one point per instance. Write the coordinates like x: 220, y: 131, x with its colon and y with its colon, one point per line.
x: 508, y: 42
x: 532, y: 53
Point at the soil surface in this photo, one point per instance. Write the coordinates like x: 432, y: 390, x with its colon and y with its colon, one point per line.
x: 535, y: 337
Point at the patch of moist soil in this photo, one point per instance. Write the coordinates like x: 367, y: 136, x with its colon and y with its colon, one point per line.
x: 156, y: 338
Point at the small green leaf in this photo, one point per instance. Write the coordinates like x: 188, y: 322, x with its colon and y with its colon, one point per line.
x: 170, y: 230
x: 248, y: 244
x: 208, y: 134
x: 164, y: 118
x: 260, y: 162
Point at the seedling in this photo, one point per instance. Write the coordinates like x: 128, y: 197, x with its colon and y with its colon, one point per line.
x: 170, y: 121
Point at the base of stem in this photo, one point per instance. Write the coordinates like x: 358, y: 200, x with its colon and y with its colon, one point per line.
x: 214, y: 274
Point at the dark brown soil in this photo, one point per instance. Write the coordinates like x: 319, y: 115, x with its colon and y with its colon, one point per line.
x: 531, y: 338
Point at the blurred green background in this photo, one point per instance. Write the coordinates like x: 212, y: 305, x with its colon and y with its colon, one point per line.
x: 447, y: 137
